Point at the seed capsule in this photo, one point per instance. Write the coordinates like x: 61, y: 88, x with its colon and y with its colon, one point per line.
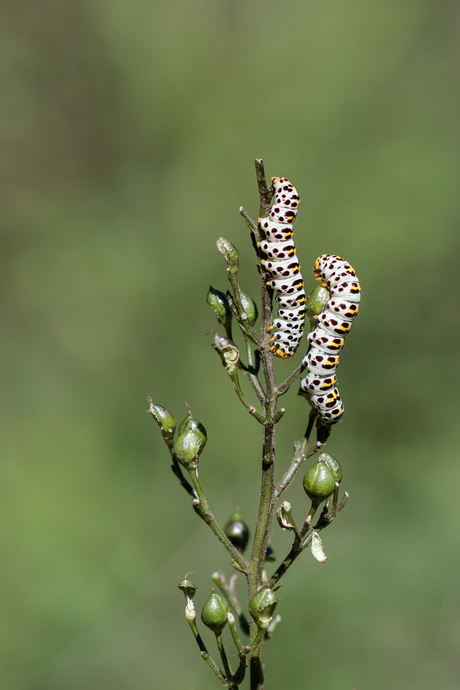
x: 262, y: 606
x: 249, y: 307
x: 231, y: 255
x: 165, y: 420
x: 218, y: 301
x: 188, y: 588
x: 228, y: 352
x: 190, y: 442
x: 284, y: 516
x: 333, y: 465
x: 237, y: 532
x: 214, y: 613
x: 318, y: 483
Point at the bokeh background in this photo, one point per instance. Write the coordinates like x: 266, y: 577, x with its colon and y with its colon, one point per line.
x: 128, y: 133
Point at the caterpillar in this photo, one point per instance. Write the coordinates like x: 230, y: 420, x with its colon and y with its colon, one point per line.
x: 327, y: 339
x: 283, y: 264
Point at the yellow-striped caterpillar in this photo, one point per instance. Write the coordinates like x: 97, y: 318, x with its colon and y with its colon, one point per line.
x: 327, y: 339
x: 283, y: 264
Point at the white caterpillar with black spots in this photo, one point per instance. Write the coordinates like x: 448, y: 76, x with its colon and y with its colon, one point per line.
x: 281, y: 261
x: 327, y: 339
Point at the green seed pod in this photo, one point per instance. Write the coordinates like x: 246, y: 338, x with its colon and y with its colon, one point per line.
x: 237, y: 532
x: 165, y: 420
x: 333, y: 465
x: 249, y: 307
x: 228, y: 352
x: 185, y: 424
x: 262, y: 607
x: 214, y: 613
x: 218, y: 301
x: 231, y: 255
x: 316, y: 301
x: 190, y: 423
x: 188, y: 447
x: 188, y: 588
x: 190, y: 442
x: 318, y: 483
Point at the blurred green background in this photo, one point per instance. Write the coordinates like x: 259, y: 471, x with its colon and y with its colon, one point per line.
x: 128, y: 133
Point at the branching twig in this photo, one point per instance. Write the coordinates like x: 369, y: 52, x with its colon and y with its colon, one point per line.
x: 187, y: 447
x: 202, y: 507
x: 301, y: 453
x: 287, y: 383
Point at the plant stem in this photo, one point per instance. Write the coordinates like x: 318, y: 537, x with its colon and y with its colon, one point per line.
x: 259, y: 549
x: 300, y: 454
x: 252, y: 225
x: 252, y: 369
x: 296, y: 549
x: 202, y: 507
x: 213, y: 666
x: 239, y: 392
x: 255, y: 644
x: 267, y: 497
x: 204, y: 652
x: 265, y: 193
x: 300, y: 448
x: 284, y: 387
x: 234, y: 633
x: 223, y: 656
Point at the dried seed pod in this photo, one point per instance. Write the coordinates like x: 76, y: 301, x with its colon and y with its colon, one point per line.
x: 262, y: 607
x: 228, y: 352
x: 284, y: 516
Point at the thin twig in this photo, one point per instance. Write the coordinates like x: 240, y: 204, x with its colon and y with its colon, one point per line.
x: 252, y: 370
x: 243, y: 318
x: 204, y: 652
x: 223, y: 655
x: 284, y: 387
x: 219, y: 579
x: 213, y: 666
x: 252, y: 225
x: 300, y: 454
x: 267, y: 500
x: 252, y: 410
x: 202, y: 507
